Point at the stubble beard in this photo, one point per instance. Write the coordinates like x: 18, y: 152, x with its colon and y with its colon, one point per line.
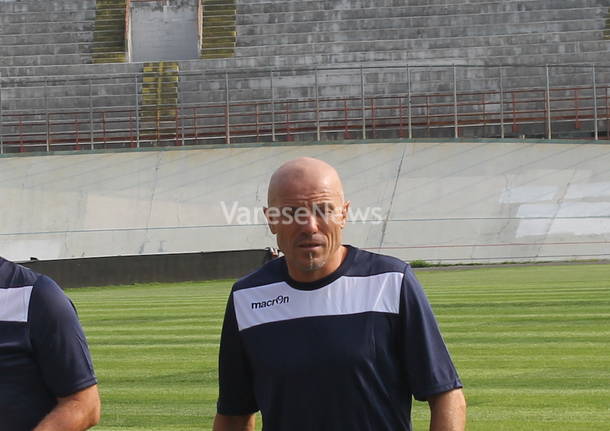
x: 312, y: 265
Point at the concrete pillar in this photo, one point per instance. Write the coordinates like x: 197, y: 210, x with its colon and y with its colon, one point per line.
x: 363, y: 104
x: 227, y: 111
x: 502, y: 102
x: 595, y: 126
x: 1, y: 131
x: 548, y: 103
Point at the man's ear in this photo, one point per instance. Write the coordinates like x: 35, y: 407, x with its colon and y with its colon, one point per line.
x: 344, y: 213
x: 272, y: 218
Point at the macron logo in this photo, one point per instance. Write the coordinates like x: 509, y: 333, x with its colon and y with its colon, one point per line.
x: 276, y: 301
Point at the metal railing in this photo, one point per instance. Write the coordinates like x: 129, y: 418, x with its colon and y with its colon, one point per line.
x: 371, y: 111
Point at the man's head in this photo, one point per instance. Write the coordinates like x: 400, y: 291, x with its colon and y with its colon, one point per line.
x: 307, y: 212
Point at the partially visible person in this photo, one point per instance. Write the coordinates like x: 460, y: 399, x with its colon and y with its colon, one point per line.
x: 47, y: 381
x: 272, y: 253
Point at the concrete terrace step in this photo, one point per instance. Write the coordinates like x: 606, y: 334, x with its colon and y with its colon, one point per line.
x: 109, y: 34
x: 300, y: 84
x: 44, y: 38
x: 422, y: 26
x: 352, y: 14
x: 354, y: 60
x: 519, y: 54
x: 159, y: 92
x: 329, y: 22
x: 467, y: 48
x: 107, y: 71
x: 108, y: 57
x: 121, y: 71
x: 381, y: 57
x: 39, y: 17
x: 353, y: 3
x: 47, y: 49
x: 33, y: 6
x: 307, y: 5
x: 572, y: 30
x: 43, y: 60
x: 70, y: 90
x: 47, y: 27
x: 271, y: 9
x: 218, y: 29
x: 348, y: 84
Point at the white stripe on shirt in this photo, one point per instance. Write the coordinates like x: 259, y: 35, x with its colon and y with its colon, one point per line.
x: 346, y: 295
x: 14, y: 304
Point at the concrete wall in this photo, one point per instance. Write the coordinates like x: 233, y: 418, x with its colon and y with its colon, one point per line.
x: 440, y: 201
x: 164, y: 30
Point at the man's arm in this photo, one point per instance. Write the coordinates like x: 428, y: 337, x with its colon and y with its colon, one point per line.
x: 77, y: 412
x: 448, y: 411
x: 234, y: 423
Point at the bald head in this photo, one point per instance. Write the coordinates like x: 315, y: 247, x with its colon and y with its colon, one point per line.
x: 304, y: 176
x: 307, y: 213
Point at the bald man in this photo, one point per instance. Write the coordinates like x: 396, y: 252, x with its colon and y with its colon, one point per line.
x: 329, y: 337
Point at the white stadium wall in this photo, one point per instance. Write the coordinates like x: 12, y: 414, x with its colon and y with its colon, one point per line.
x: 164, y: 31
x: 437, y: 201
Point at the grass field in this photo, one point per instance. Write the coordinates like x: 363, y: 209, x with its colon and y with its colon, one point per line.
x: 532, y: 345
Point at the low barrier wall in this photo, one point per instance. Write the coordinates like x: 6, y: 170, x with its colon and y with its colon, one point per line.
x: 162, y: 268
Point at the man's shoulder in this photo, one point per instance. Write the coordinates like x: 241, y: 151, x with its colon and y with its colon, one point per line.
x: 25, y: 291
x: 13, y: 275
x: 367, y: 263
x: 271, y: 272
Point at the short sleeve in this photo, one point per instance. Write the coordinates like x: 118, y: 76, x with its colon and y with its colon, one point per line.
x: 58, y: 341
x: 428, y: 365
x: 236, y: 392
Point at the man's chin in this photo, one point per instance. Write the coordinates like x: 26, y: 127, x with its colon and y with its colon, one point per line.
x: 312, y: 263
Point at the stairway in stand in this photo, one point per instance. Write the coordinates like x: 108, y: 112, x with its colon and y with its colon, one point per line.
x: 218, y: 32
x: 159, y: 97
x: 109, y: 37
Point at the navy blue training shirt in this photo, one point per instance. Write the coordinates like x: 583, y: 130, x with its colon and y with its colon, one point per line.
x: 43, y: 351
x: 345, y: 353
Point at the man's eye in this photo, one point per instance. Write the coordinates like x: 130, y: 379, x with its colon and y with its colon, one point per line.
x: 288, y: 211
x: 325, y: 209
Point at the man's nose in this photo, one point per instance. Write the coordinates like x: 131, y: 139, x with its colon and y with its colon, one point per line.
x: 310, y: 223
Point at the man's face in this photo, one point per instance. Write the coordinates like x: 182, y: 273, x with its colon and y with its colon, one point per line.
x: 308, y: 222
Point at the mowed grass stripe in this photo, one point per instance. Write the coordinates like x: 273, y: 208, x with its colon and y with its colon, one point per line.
x: 531, y: 344
x: 155, y: 349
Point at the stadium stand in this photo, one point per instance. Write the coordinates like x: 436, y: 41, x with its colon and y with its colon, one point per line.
x: 62, y: 56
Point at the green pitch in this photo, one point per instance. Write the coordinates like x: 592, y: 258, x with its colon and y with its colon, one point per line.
x: 532, y: 345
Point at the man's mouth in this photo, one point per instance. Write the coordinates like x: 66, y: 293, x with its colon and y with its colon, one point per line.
x: 310, y: 246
